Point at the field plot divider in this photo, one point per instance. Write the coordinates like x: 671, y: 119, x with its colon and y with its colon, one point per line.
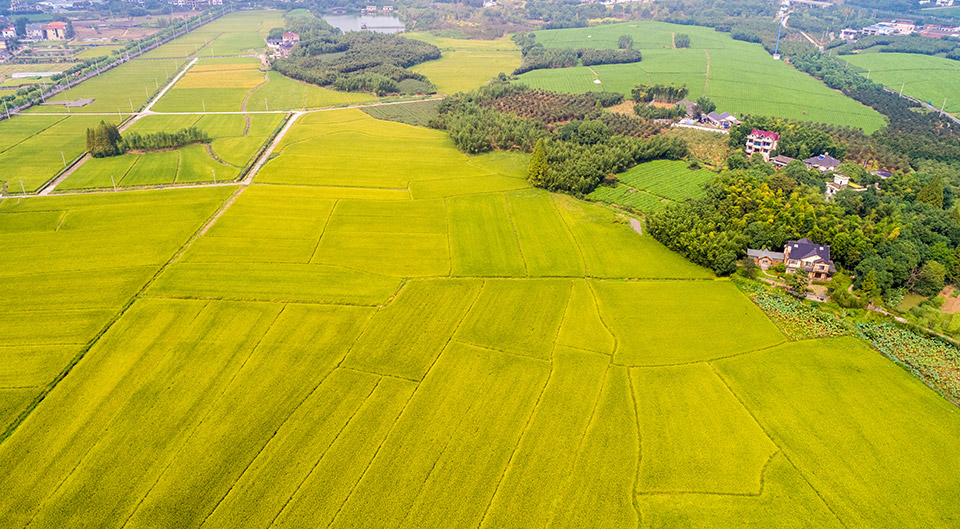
x: 265, y: 150
x: 210, y: 407
x: 779, y: 448
x: 634, y: 500
x: 113, y: 320
x: 583, y: 439
x: 523, y: 433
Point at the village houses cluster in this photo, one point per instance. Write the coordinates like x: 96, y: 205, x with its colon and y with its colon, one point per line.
x: 765, y: 143
x: 904, y: 27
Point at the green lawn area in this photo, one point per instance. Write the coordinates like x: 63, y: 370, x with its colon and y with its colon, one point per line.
x: 924, y: 77
x: 380, y: 331
x: 739, y: 77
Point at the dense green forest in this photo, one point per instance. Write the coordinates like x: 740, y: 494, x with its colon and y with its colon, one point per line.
x: 582, y: 142
x: 361, y: 61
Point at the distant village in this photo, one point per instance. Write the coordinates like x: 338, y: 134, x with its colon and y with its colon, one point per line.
x: 903, y: 27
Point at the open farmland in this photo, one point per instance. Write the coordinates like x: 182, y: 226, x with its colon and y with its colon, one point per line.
x: 237, y: 33
x: 247, y: 88
x: 740, y: 77
x: 236, y: 139
x: 31, y: 146
x: 405, y: 336
x: 467, y: 64
x: 123, y: 89
x: 926, y: 78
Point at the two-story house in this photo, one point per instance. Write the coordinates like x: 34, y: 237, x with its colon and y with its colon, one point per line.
x: 810, y: 257
x: 805, y: 255
x: 762, y: 141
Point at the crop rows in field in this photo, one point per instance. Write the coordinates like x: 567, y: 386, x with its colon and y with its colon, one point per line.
x: 672, y: 180
x: 740, y: 77
x: 70, y: 264
x: 930, y: 79
x: 233, y: 147
x: 418, y: 114
x: 624, y: 195
x: 336, y: 355
x: 649, y: 186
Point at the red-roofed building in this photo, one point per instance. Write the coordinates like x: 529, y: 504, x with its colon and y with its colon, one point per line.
x: 938, y: 32
x: 56, y: 31
x: 291, y: 38
x: 761, y: 141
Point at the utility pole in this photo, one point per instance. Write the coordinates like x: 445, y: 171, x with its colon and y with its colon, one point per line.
x: 265, y: 105
x: 63, y: 159
x: 114, y: 183
x: 943, y: 106
x: 901, y: 88
x: 131, y: 105
x: 214, y: 171
x: 156, y: 82
x: 22, y: 188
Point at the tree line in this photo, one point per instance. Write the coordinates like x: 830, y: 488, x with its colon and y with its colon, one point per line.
x: 537, y: 57
x: 105, y: 140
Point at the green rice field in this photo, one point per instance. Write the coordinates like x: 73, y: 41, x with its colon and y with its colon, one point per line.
x: 233, y: 147
x: 379, y: 331
x: 31, y: 147
x: 929, y: 79
x: 467, y: 64
x: 337, y: 345
x: 741, y: 78
x: 649, y: 186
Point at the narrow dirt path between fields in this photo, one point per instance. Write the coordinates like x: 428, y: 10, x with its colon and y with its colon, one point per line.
x: 243, y: 106
x: 706, y: 76
x: 215, y: 157
x: 594, y: 72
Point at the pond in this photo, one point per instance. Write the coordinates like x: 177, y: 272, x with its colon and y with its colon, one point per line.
x: 378, y: 23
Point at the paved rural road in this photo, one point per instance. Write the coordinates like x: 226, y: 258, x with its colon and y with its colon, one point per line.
x: 50, y: 187
x: 147, y: 111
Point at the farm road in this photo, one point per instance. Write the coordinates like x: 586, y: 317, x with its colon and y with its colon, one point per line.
x: 47, y: 189
x: 294, y: 115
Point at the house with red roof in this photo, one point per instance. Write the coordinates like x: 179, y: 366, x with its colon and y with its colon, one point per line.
x: 761, y: 141
x: 56, y: 31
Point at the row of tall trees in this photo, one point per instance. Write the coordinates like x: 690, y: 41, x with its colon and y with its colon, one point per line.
x: 105, y: 140
x: 644, y: 93
x: 537, y: 57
